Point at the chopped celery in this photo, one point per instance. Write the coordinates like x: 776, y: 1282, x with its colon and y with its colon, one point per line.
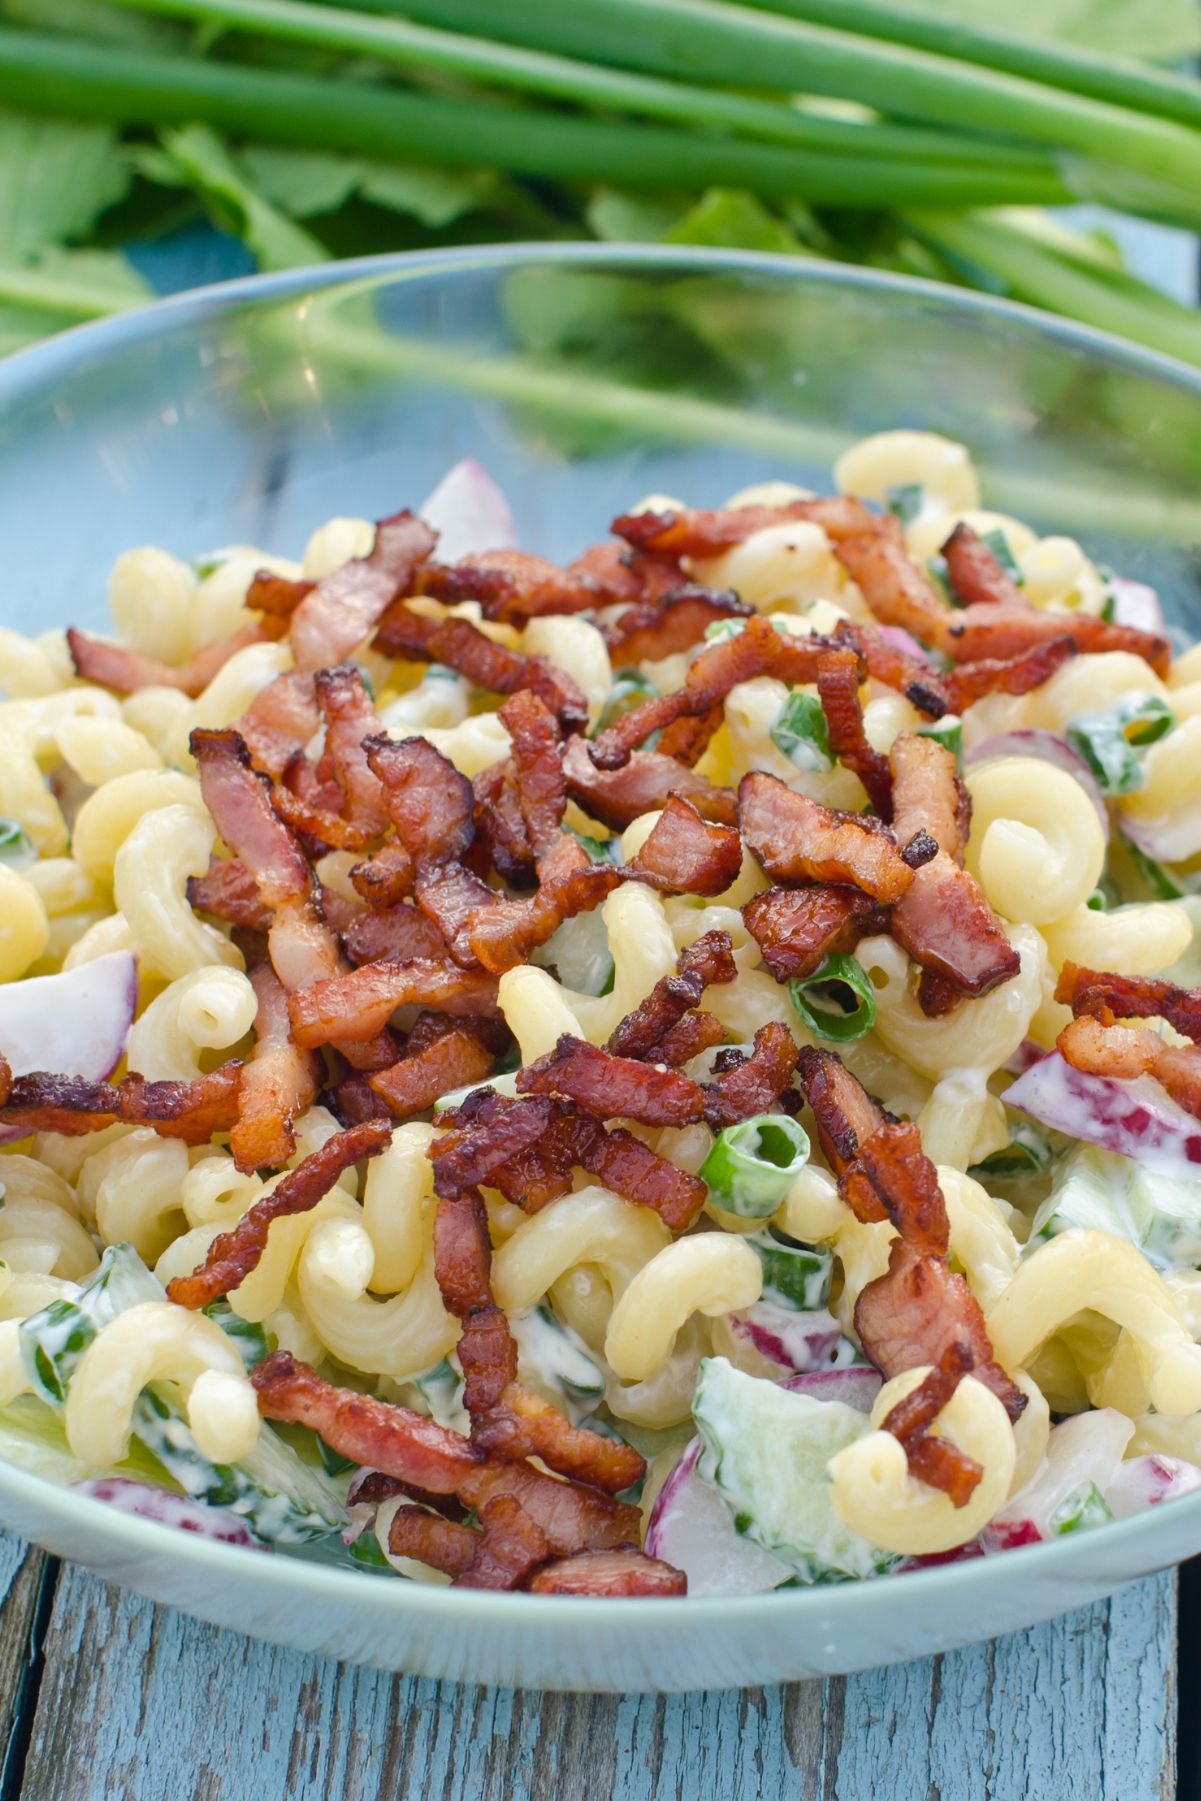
x: 837, y: 1001
x: 794, y: 1275
x: 800, y: 732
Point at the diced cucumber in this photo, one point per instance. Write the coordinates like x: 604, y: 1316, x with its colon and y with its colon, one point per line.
x: 1106, y: 1192
x: 794, y: 1275
x: 554, y: 1359
x: 629, y: 690
x: 1086, y: 1506
x: 579, y: 950
x: 767, y: 1453
x: 246, y: 1334
x: 905, y: 501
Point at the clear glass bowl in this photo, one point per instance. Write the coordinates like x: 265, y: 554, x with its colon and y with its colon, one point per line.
x: 583, y: 377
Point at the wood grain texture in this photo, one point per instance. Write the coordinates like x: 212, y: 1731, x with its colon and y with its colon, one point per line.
x: 26, y: 1584
x: 142, y: 1703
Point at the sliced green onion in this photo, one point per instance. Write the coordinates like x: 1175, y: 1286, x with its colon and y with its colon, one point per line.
x: 628, y: 691
x: 51, y: 1343
x: 601, y: 850
x: 753, y: 1164
x: 800, y: 732
x: 947, y: 731
x: 1159, y: 880
x: 1028, y: 1153
x: 1086, y: 1506
x: 794, y: 1275
x: 1108, y: 741
x: 246, y: 1334
x: 906, y: 501
x: 16, y: 847
x: 1105, y: 895
x: 333, y: 1462
x: 998, y: 543
x: 722, y: 630
x: 368, y: 1553
x: 837, y: 1001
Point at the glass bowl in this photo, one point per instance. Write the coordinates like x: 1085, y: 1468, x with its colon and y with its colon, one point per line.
x: 582, y: 377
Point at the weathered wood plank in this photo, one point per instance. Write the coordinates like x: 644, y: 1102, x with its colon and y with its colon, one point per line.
x: 143, y: 1703
x: 26, y: 1579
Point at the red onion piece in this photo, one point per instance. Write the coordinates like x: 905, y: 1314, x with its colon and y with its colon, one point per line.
x: 469, y: 513
x: 796, y: 1341
x: 691, y: 1527
x: 171, y: 1510
x: 72, y: 1024
x: 1135, y: 604
x: 1033, y: 742
x: 900, y: 639
x: 1172, y: 839
x: 1027, y: 1054
x: 1147, y: 1481
x: 1136, y: 1118
x: 856, y: 1385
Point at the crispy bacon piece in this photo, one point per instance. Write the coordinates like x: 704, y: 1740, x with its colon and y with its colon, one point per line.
x: 609, y: 1573
x: 499, y: 825
x: 228, y: 891
x: 360, y: 1003
x: 935, y: 1460
x: 525, y: 1425
x: 276, y: 594
x: 630, y: 1168
x: 967, y: 683
x: 483, y: 1134
x: 537, y: 769
x: 896, y: 667
x: 694, y: 1033
x: 429, y: 801
x: 399, y: 934
x: 757, y: 1083
x: 674, y: 623
x: 757, y: 650
x: 510, y: 1548
x: 898, y: 590
x: 453, y: 897
x: 838, y: 676
x: 796, y: 929
x: 693, y: 532
x: 797, y: 839
x: 1130, y: 997
x: 1001, y: 632
x: 975, y: 573
x: 944, y: 920
x: 906, y: 1182
x: 513, y: 586
x: 232, y: 1255
x: 846, y: 1117
x: 1100, y: 1047
x: 420, y: 1078
x: 73, y: 1106
x: 279, y: 722
x: 386, y: 877
x: 345, y: 606
x: 278, y: 1083
x: 428, y: 1538
x: 461, y: 646
x: 319, y: 824
x: 502, y: 933
x: 686, y: 854
x: 687, y: 739
x: 123, y: 670
x: 612, y: 1087
x: 350, y: 718
x: 617, y: 797
x: 707, y: 961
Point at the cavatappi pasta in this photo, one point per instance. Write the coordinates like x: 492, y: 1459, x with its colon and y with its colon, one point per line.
x: 724, y: 1005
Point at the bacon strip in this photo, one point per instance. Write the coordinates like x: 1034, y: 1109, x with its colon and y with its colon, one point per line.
x: 276, y: 594
x: 1130, y: 997
x: 461, y: 646
x: 756, y: 1084
x: 430, y: 803
x: 613, y: 1087
x: 609, y: 1573
x: 898, y: 590
x: 935, y: 1460
x: 502, y: 933
x: 386, y: 877
x: 685, y: 854
x: 674, y: 623
x: 428, y: 1538
x: 228, y: 891
x: 999, y: 632
x: 944, y: 920
x: 797, y: 839
x: 422, y: 1077
x: 279, y: 722
x: 970, y: 682
x: 350, y: 718
x: 1100, y: 1047
x: 796, y: 929
x: 688, y: 738
x: 499, y: 825
x: 906, y: 1182
x: 509, y: 1549
x: 693, y: 532
x: 513, y: 586
x: 232, y: 1255
x: 319, y: 824
x: 838, y: 676
x: 483, y: 1134
x: 707, y: 961
x: 695, y: 1032
x: 757, y: 650
x: 617, y: 797
x: 278, y: 1083
x: 975, y: 573
x: 399, y: 934
x: 125, y: 671
x: 358, y: 1004
x: 846, y: 1117
x: 537, y: 769
x: 345, y: 606
x: 898, y: 668
x: 43, y: 1101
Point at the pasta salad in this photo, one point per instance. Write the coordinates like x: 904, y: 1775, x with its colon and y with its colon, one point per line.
x: 674, y: 1073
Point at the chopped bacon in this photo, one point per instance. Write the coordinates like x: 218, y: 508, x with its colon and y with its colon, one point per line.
x: 694, y: 1033
x: 686, y: 854
x: 345, y: 606
x: 279, y: 722
x: 757, y: 650
x: 525, y: 1425
x: 278, y: 1083
x: 350, y: 718
x: 358, y: 1004
x: 630, y: 1168
x: 571, y: 1515
x: 501, y: 932
x: 399, y: 934
x: 609, y: 1573
x: 386, y: 877
x: 898, y: 590
x: 1100, y: 1047
x: 483, y: 1134
x: 513, y: 586
x: 976, y: 574
x: 429, y: 801
x: 1001, y: 632
x: 228, y: 891
x: 693, y: 532
x: 277, y: 594
x: 42, y: 1101
x: 796, y: 929
x: 679, y: 620
x: 757, y: 1083
x: 612, y: 1087
x: 797, y: 839
x: 460, y: 645
x: 499, y: 825
x: 430, y: 1539
x: 944, y: 920
x: 1130, y: 997
x: 936, y: 1461
x: 906, y: 1182
x: 846, y: 1117
x: 232, y: 1255
x: 319, y: 824
x: 125, y: 671
x: 707, y: 961
x: 896, y: 667
x: 537, y: 769
x: 419, y: 1078
x: 619, y: 796
x: 453, y: 897
x: 510, y: 1548
x: 838, y: 676
x: 967, y: 683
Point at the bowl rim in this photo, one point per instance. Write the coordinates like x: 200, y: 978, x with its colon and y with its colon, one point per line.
x: 294, y: 1578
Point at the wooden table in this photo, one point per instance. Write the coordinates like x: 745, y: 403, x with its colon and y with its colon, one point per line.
x: 103, y: 1695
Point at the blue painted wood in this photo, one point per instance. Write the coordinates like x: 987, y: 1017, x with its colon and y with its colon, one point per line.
x: 142, y: 1702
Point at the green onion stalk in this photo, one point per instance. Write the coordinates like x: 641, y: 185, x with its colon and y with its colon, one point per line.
x: 753, y: 1164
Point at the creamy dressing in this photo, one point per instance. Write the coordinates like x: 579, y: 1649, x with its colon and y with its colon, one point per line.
x: 1134, y: 1117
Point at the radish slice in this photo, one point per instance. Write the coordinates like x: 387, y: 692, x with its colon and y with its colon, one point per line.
x: 1052, y: 749
x: 1135, y: 604
x: 171, y: 1510
x: 73, y: 1024
x: 1146, y: 1481
x: 900, y: 639
x: 691, y: 1527
x: 855, y: 1386
x: 1087, y: 1448
x: 1027, y: 1054
x: 469, y: 513
x: 1135, y: 1118
x: 1173, y: 838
